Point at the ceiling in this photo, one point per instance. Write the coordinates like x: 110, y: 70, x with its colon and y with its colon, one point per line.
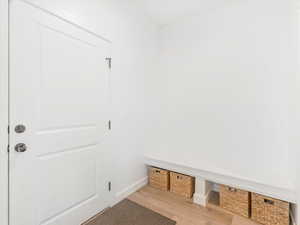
x: 167, y: 11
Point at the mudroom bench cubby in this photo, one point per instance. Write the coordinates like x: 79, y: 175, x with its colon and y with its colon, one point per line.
x: 177, y: 183
x: 265, y: 204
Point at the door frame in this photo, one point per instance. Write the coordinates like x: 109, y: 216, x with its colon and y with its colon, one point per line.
x: 4, y: 116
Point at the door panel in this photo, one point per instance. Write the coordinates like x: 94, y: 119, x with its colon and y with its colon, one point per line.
x: 59, y: 90
x: 59, y: 74
x: 76, y: 182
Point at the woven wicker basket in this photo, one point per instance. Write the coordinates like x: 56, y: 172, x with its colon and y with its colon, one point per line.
x: 269, y: 211
x: 235, y: 200
x: 182, y: 184
x: 159, y: 178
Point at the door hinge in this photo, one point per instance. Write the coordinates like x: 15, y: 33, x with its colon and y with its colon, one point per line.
x: 8, y: 129
x: 109, y: 124
x: 109, y: 186
x: 109, y: 60
x: 7, y: 148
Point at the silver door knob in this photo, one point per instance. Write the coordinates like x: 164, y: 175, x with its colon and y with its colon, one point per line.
x: 20, y: 128
x: 21, y: 147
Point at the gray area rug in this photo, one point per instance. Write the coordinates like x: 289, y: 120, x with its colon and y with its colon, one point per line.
x: 130, y: 213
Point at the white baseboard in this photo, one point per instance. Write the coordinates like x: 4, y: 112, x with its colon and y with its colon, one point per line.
x: 201, y: 199
x: 130, y: 190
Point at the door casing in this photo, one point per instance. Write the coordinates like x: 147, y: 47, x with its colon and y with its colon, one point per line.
x: 4, y: 119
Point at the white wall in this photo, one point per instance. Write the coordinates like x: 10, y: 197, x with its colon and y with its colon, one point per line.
x: 294, y: 125
x: 134, y: 52
x: 228, y: 75
x: 3, y: 113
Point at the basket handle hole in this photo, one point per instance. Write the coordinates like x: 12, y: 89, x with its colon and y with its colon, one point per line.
x: 267, y: 201
x: 232, y: 189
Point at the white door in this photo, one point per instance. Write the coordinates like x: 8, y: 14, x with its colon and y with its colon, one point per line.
x: 59, y: 92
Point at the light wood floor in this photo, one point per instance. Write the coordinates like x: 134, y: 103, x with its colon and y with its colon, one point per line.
x: 183, y: 211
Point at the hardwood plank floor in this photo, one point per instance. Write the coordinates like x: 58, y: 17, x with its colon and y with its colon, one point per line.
x: 182, y: 210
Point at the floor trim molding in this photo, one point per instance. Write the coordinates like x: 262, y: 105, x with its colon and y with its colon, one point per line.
x: 121, y: 195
